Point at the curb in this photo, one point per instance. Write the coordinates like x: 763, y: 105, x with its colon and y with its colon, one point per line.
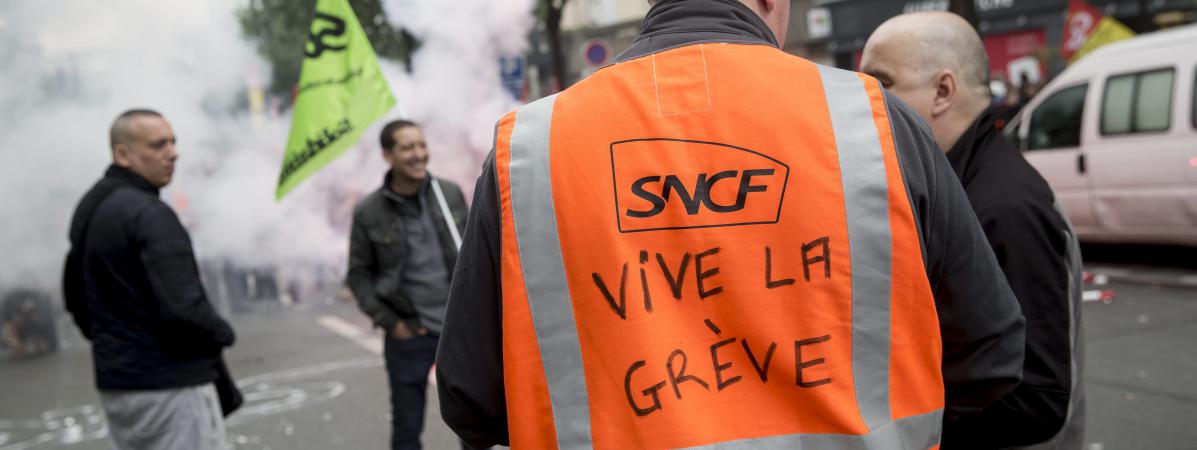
x: 1181, y: 281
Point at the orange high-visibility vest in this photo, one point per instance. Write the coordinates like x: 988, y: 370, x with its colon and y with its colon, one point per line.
x: 712, y: 246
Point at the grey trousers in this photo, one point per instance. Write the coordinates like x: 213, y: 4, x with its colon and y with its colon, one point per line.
x: 184, y: 418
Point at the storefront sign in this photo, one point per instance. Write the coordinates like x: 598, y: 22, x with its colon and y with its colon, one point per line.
x: 942, y: 5
x: 1008, y: 54
x: 818, y: 23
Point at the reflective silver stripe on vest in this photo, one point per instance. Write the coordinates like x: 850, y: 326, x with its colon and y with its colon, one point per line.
x: 910, y: 433
x: 866, y: 201
x: 544, y: 273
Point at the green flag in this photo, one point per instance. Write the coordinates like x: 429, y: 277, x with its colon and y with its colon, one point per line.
x: 341, y: 93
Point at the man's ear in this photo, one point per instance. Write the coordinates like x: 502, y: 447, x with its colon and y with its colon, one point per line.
x: 945, y: 92
x: 387, y: 156
x: 120, y: 155
x: 767, y: 5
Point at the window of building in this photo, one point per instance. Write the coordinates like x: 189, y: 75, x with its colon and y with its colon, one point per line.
x: 1137, y: 103
x: 1056, y: 123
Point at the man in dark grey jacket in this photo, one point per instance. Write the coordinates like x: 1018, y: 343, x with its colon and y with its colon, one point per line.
x: 132, y: 286
x: 402, y: 250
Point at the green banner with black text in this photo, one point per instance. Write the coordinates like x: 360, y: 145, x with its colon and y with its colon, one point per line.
x: 341, y: 93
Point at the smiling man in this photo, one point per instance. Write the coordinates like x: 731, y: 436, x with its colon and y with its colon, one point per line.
x: 132, y: 285
x: 401, y: 256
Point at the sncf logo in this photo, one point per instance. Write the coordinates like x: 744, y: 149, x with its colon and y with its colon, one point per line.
x: 670, y: 184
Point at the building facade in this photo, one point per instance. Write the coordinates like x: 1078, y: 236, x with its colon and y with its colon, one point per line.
x: 1022, y: 37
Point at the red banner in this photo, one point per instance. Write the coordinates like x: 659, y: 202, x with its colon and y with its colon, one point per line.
x: 1082, y: 19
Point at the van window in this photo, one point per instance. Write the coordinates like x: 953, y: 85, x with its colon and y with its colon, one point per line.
x: 1056, y: 123
x: 1137, y: 103
x: 1116, y: 106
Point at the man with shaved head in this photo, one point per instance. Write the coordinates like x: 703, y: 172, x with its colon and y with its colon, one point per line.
x: 936, y: 63
x: 132, y: 286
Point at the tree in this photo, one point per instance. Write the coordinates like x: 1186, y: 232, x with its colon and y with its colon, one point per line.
x: 281, y: 29
x: 549, y: 12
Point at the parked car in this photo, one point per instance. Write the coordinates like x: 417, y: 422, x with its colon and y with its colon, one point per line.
x: 1115, y: 135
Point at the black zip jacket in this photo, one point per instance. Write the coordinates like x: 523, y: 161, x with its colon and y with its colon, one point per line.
x: 132, y: 285
x: 1036, y: 248
x: 980, y: 322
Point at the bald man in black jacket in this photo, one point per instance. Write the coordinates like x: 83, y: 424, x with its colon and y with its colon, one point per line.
x: 936, y: 63
x: 132, y: 285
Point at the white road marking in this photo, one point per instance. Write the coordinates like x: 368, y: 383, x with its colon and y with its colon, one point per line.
x: 265, y: 395
x: 304, y: 372
x: 363, y: 338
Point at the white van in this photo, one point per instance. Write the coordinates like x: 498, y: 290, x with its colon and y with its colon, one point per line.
x: 1115, y: 136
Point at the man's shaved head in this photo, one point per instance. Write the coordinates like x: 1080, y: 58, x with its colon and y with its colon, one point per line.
x: 122, y: 128
x: 934, y: 41
x: 143, y: 142
x: 936, y: 63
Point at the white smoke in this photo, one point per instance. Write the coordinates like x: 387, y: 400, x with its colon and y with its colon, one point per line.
x: 454, y: 91
x: 77, y: 65
x: 72, y: 65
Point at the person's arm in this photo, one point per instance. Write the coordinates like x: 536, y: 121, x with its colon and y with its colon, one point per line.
x: 469, y: 359
x: 174, y: 277
x: 981, y: 324
x: 360, y: 278
x: 1031, y: 245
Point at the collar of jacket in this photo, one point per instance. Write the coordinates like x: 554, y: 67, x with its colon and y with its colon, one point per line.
x: 395, y: 196
x: 675, y: 23
x: 965, y: 153
x: 128, y: 177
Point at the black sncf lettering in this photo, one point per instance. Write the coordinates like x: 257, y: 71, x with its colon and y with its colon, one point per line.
x: 677, y: 184
x: 693, y: 200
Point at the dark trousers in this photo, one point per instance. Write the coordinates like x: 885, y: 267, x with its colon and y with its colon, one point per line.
x: 408, y: 364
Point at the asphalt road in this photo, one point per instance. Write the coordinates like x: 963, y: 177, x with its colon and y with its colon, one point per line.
x: 314, y: 379
x: 306, y: 386
x: 1141, y: 371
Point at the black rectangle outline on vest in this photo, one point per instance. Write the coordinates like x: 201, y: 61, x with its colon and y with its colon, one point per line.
x: 615, y: 189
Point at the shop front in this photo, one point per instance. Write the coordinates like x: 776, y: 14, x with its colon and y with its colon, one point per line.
x: 1021, y: 37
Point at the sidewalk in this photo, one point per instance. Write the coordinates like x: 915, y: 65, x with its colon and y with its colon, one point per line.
x: 1151, y: 276
x: 1150, y: 265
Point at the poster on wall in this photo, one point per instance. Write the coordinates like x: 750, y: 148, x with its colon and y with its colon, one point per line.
x: 1027, y: 66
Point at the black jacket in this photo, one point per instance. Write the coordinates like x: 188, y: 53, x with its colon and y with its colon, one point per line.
x: 981, y: 326
x: 132, y: 285
x: 1035, y: 246
x: 378, y: 250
